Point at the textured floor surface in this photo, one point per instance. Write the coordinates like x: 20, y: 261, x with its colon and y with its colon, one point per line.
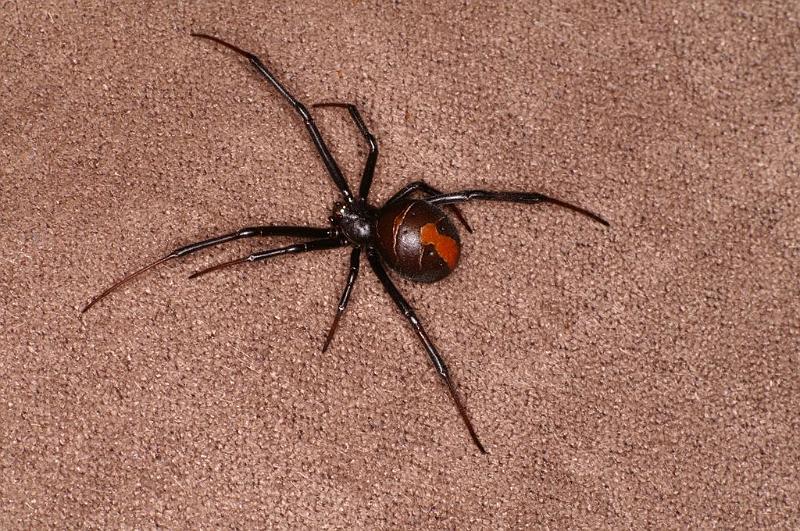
x: 645, y: 375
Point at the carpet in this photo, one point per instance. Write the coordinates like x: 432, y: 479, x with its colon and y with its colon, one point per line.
x: 642, y: 375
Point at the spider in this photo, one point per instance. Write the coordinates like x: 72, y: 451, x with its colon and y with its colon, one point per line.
x: 414, y: 237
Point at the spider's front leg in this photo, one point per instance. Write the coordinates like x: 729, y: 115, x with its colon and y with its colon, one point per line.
x: 372, y: 158
x: 436, y: 358
x: 300, y: 109
x: 355, y: 263
x: 314, y: 245
x: 246, y: 232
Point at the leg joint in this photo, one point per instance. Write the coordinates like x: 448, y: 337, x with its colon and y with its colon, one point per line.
x: 301, y: 109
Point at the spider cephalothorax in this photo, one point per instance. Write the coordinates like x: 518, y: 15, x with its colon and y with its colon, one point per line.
x: 356, y: 221
x: 414, y: 237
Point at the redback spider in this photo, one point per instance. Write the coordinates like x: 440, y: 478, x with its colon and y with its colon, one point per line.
x: 414, y: 237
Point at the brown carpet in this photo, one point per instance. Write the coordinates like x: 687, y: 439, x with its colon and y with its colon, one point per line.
x: 644, y: 375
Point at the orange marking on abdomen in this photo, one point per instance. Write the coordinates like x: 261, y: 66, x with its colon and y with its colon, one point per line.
x: 446, y: 247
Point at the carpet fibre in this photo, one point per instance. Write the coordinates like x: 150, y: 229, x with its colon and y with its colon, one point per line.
x: 642, y: 375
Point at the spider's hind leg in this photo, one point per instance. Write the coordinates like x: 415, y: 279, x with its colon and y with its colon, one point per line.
x: 428, y: 190
x: 436, y: 358
x: 511, y: 197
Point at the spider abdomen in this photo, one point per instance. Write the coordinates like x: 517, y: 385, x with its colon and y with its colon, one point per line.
x: 418, y: 240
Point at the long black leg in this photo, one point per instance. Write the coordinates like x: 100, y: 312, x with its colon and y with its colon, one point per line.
x: 433, y: 353
x: 511, y: 197
x: 313, y: 131
x: 313, y: 245
x: 372, y: 158
x: 355, y: 260
x: 246, y: 232
x: 428, y: 190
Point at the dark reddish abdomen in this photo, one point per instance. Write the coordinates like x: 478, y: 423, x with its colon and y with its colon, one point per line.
x: 418, y: 240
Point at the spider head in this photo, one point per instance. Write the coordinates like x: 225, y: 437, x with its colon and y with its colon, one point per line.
x: 339, y: 210
x: 356, y: 222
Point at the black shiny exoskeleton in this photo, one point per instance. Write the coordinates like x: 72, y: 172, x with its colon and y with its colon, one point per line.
x: 414, y: 237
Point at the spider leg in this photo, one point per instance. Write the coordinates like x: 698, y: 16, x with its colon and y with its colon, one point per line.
x: 355, y: 259
x: 428, y: 190
x: 313, y: 131
x: 372, y: 158
x: 313, y: 245
x: 246, y: 232
x: 511, y: 197
x: 433, y: 353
